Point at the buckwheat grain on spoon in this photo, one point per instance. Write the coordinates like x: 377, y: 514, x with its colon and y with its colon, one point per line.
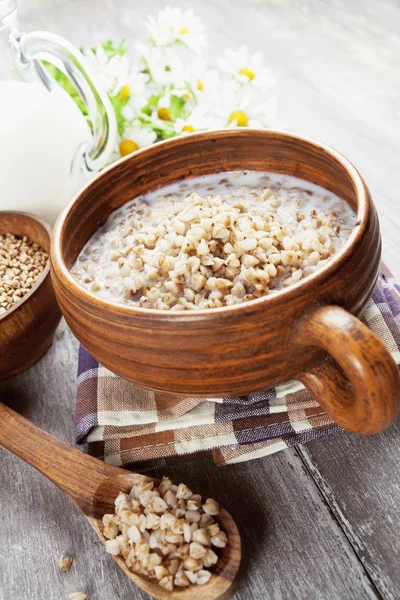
x: 197, y: 546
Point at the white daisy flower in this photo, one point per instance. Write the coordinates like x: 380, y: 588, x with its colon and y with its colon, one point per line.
x: 202, y: 89
x: 182, y: 127
x: 137, y: 92
x: 163, y: 67
x: 246, y: 68
x: 214, y: 99
x: 190, y: 30
x: 175, y: 71
x: 199, y: 120
x: 161, y: 30
x: 174, y: 25
x: 138, y: 83
x: 134, y: 137
x: 165, y: 100
x: 153, y: 63
x: 163, y: 106
x: 246, y: 110
x: 199, y: 80
x: 205, y: 115
x: 112, y: 73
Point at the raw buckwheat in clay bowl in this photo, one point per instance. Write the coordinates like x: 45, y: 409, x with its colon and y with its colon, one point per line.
x: 214, y: 241
x: 21, y: 263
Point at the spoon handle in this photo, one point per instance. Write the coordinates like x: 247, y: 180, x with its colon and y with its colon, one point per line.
x: 75, y: 473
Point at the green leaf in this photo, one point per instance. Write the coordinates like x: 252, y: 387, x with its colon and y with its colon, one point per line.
x: 176, y: 107
x: 151, y: 105
x: 166, y: 135
x: 163, y: 129
x: 118, y: 105
x: 111, y: 49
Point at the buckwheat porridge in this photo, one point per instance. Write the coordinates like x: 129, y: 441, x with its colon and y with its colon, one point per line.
x: 213, y: 241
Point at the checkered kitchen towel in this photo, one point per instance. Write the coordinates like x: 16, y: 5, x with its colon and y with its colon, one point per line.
x: 127, y: 425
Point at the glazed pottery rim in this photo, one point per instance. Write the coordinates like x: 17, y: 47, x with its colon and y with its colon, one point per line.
x: 44, y: 273
x: 282, y: 295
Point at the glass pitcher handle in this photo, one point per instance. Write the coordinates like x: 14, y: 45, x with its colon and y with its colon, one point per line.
x: 41, y: 45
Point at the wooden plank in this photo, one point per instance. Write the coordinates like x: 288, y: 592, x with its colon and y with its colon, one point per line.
x: 359, y: 479
x: 295, y: 548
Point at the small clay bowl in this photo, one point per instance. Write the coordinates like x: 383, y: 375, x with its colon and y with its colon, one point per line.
x: 235, y: 350
x: 27, y: 328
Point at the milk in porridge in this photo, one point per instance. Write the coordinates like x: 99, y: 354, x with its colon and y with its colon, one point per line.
x: 214, y: 241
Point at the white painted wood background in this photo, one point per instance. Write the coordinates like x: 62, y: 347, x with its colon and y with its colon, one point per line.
x: 319, y: 522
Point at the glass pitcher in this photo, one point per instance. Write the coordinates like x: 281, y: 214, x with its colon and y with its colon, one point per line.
x: 47, y: 147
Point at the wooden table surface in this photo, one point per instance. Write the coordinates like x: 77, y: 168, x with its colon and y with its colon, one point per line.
x: 320, y: 521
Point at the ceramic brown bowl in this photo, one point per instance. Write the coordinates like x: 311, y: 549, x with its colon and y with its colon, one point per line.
x: 239, y: 349
x: 27, y: 328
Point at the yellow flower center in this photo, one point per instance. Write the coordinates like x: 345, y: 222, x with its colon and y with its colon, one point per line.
x: 188, y: 128
x: 240, y: 117
x: 163, y: 114
x: 200, y: 85
x: 127, y: 147
x: 188, y: 95
x: 125, y: 93
x: 183, y: 30
x: 248, y: 72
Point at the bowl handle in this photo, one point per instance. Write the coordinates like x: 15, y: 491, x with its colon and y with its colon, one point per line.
x: 361, y: 390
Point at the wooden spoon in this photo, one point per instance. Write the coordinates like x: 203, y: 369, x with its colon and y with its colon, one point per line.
x: 93, y: 485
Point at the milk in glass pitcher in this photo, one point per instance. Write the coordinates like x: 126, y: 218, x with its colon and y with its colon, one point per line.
x: 47, y: 148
